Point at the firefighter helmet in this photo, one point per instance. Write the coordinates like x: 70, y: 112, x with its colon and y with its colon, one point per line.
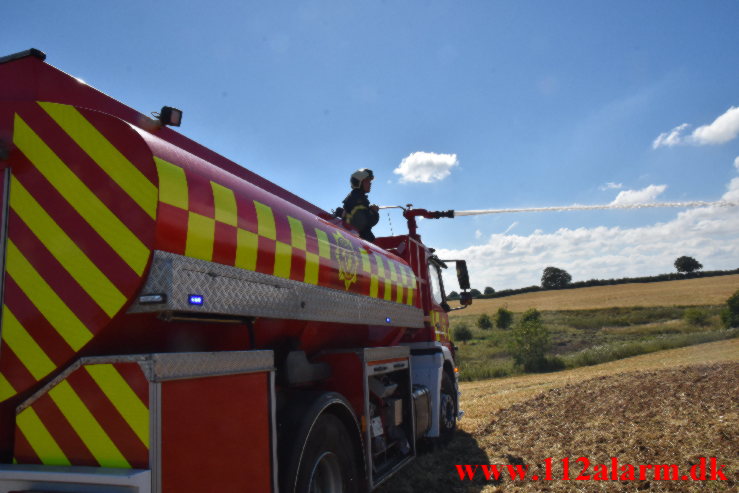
x: 359, y: 176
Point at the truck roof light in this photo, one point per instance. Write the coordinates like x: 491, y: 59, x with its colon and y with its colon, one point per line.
x: 170, y: 116
x: 23, y: 54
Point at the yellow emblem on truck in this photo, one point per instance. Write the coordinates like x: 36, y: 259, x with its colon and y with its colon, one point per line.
x: 348, y: 260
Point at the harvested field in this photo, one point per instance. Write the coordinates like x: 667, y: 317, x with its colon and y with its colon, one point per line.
x: 688, y: 292
x: 672, y: 407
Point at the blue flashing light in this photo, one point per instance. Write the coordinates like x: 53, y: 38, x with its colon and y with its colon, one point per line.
x: 388, y: 320
x: 195, y: 299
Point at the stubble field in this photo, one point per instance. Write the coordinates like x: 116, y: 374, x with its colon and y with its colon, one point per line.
x: 667, y: 407
x: 688, y: 292
x: 670, y: 407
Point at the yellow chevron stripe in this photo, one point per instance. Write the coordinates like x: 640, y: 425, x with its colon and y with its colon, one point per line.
x: 366, y: 265
x: 201, y: 233
x: 388, y: 290
x: 380, y: 265
x: 105, y: 154
x: 265, y: 221
x: 172, y: 184
x: 225, y: 204
x: 312, y: 266
x: 324, y: 246
x: 40, y: 439
x: 283, y: 260
x: 6, y: 389
x: 125, y: 400
x: 410, y: 296
x: 84, y: 201
x: 374, y: 286
x: 46, y: 300
x: 247, y: 244
x: 87, y: 427
x: 25, y: 347
x: 61, y: 246
x: 297, y: 233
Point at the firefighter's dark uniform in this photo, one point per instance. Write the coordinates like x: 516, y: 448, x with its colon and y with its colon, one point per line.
x: 357, y: 212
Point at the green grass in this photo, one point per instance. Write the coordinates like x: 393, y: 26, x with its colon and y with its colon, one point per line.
x: 587, y: 337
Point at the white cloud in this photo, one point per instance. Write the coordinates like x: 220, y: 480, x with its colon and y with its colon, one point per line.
x: 425, y: 167
x: 709, y: 234
x: 478, y: 234
x: 736, y: 162
x: 671, y: 138
x: 721, y: 130
x: 611, y: 186
x: 648, y: 194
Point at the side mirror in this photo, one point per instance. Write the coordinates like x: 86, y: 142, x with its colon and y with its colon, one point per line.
x: 465, y: 298
x: 463, y: 277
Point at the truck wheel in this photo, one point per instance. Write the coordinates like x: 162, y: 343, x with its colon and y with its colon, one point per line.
x: 447, y: 409
x: 327, y: 464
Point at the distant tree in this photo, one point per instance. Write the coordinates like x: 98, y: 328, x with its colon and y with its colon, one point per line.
x: 687, y: 264
x: 488, y: 290
x: 453, y: 296
x: 484, y: 322
x: 503, y: 318
x: 462, y: 333
x: 730, y: 314
x: 554, y: 278
x: 475, y: 293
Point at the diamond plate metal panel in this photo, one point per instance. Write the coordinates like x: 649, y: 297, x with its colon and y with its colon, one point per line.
x: 232, y: 291
x: 175, y: 366
x: 383, y: 353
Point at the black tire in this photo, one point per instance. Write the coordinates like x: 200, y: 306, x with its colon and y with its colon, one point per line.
x: 447, y: 409
x: 327, y: 463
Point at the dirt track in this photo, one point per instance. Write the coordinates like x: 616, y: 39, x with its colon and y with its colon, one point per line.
x: 654, y: 416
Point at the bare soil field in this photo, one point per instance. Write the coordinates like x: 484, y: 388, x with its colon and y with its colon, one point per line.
x: 688, y: 292
x: 670, y: 407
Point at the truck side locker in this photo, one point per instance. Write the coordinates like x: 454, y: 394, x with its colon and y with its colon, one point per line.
x: 377, y: 382
x: 152, y: 423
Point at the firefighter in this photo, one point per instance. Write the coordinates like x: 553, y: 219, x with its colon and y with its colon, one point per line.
x: 357, y: 210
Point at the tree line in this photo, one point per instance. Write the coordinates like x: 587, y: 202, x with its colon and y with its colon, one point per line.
x: 556, y: 278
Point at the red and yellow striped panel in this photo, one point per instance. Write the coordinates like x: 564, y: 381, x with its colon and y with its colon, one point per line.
x: 97, y: 416
x: 202, y: 218
x: 82, y: 211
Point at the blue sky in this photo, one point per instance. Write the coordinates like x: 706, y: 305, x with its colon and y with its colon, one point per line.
x: 495, y: 104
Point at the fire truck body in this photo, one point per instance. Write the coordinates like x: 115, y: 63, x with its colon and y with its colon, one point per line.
x: 173, y: 322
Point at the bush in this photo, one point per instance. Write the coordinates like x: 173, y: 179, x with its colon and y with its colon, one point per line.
x: 503, y: 318
x: 529, y: 343
x: 532, y: 314
x: 462, y: 333
x: 730, y: 314
x: 484, y: 322
x: 697, y: 317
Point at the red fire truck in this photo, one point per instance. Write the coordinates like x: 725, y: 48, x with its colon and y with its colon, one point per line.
x: 173, y: 322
